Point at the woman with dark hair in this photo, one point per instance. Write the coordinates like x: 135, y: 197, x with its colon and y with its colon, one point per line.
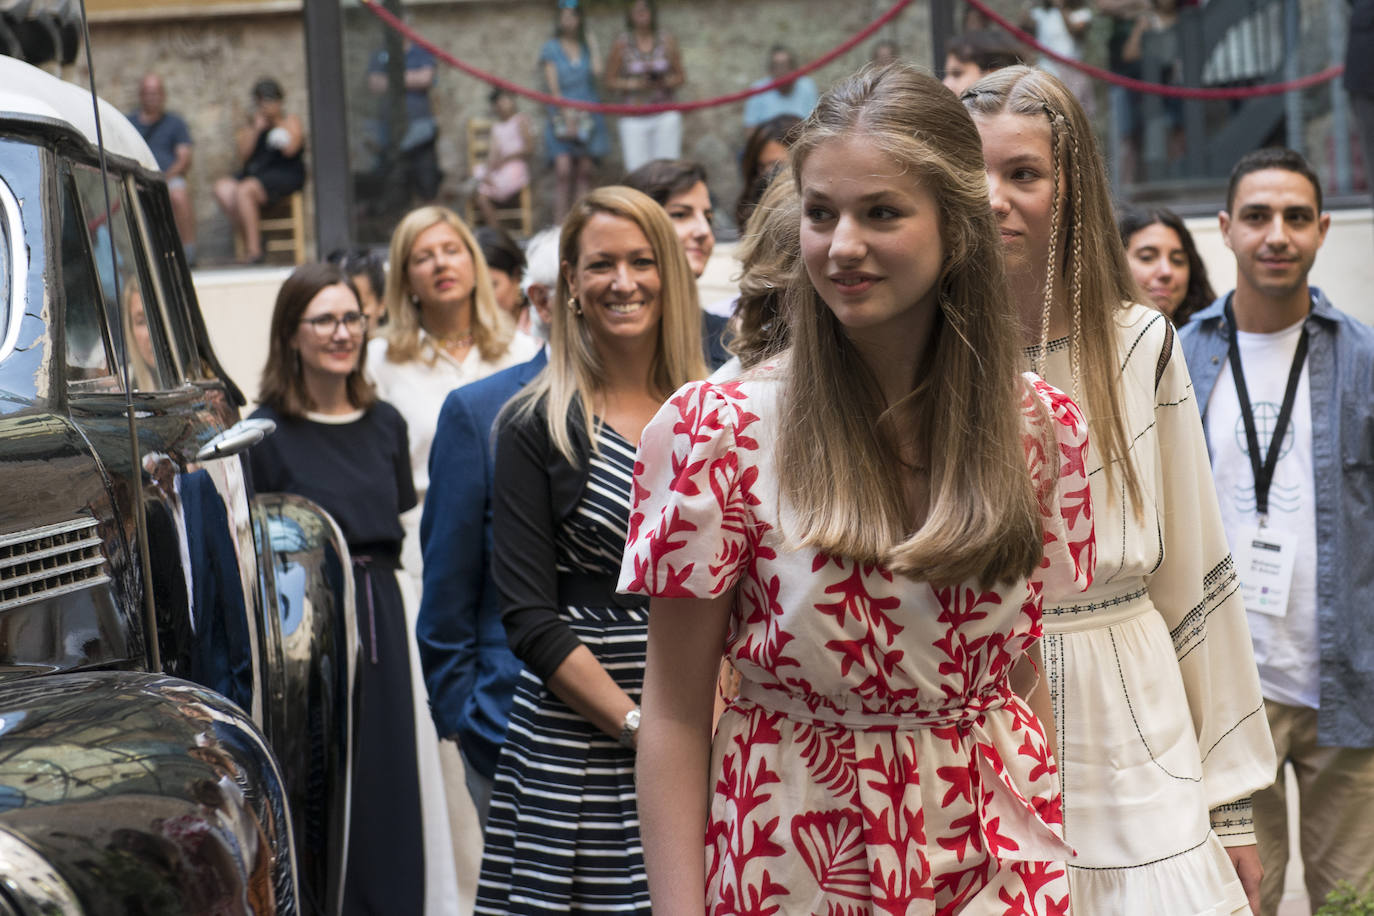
x: 270, y: 151
x: 1164, y: 261
x: 563, y: 834
x: 506, y: 265
x: 338, y: 445
x: 645, y: 67
x: 574, y: 139
x: 764, y: 151
x: 366, y: 270
x: 973, y: 55
x: 679, y: 187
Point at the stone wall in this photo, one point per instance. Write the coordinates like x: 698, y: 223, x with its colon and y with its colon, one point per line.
x: 210, y: 62
x: 209, y: 66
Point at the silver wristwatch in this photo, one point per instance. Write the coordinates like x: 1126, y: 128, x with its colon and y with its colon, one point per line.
x: 629, y: 729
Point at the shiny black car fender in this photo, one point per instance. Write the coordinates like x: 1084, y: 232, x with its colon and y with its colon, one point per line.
x: 142, y: 794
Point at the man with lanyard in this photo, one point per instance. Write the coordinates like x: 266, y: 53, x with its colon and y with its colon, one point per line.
x: 1285, y: 383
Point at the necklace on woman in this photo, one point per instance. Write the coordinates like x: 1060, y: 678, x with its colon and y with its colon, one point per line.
x: 455, y: 343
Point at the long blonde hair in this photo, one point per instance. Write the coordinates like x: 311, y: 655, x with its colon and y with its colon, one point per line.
x: 575, y: 371
x: 492, y: 328
x: 839, y: 461
x: 1092, y: 262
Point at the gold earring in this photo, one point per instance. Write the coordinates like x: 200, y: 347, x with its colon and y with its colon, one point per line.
x: 573, y: 306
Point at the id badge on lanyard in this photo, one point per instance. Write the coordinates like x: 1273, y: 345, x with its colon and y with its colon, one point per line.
x: 1264, y: 561
x: 1265, y: 555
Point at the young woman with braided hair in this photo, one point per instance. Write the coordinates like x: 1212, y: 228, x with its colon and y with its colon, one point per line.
x: 1156, y: 698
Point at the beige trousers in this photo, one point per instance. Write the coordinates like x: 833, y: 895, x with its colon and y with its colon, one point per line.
x: 1335, y: 805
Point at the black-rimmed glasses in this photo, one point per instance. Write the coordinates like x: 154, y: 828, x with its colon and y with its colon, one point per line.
x: 325, y: 326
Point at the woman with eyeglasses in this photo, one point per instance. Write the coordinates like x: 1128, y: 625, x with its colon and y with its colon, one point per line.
x: 338, y: 445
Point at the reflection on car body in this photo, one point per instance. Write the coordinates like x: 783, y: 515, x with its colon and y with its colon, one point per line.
x: 176, y: 653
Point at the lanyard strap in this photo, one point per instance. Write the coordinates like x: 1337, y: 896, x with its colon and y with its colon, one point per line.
x: 1264, y: 472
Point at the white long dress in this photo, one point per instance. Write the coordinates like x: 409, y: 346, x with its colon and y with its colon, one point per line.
x: 1156, y: 696
x: 417, y: 389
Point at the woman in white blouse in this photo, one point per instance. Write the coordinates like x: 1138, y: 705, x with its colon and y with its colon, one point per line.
x: 443, y: 330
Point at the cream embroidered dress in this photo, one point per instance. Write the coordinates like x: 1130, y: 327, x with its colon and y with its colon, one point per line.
x: 876, y: 759
x: 1156, y: 695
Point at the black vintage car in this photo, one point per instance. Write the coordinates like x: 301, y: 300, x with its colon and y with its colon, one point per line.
x: 176, y: 653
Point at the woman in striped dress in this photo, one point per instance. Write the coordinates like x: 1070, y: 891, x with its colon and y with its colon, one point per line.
x: 563, y: 833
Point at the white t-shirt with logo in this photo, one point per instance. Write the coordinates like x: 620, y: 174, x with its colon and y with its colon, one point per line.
x: 1286, y: 648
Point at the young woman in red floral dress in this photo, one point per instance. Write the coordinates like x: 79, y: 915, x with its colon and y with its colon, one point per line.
x: 867, y: 526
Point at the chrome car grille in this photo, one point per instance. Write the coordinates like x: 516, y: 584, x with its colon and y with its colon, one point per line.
x: 50, y: 561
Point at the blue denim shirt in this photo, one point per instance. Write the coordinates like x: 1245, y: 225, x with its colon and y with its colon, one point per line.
x: 1340, y: 366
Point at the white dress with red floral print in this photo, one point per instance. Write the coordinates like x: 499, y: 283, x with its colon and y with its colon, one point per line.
x: 876, y: 759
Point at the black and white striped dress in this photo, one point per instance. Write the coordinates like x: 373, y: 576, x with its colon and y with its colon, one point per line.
x: 563, y: 833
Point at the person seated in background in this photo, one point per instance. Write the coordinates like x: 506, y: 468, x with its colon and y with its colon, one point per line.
x: 366, y: 270
x: 973, y: 55
x: 270, y: 151
x: 507, y: 169
x: 170, y: 140
x: 1165, y: 262
x: 764, y: 151
x: 797, y: 97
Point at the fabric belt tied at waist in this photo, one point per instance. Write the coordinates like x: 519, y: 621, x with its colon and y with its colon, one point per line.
x: 577, y: 590
x: 1011, y: 824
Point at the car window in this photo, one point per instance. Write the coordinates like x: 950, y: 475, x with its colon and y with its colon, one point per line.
x: 88, y: 360
x: 136, y: 329
x: 170, y: 275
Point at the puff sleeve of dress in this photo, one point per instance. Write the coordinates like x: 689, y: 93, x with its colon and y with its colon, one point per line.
x: 691, y: 518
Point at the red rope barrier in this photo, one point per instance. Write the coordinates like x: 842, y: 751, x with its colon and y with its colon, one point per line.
x: 1178, y: 92
x: 397, y: 25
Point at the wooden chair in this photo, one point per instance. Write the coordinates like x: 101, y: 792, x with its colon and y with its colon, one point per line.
x: 517, y: 215
x: 283, y: 228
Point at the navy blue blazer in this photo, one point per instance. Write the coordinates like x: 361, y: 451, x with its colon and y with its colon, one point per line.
x: 468, y: 666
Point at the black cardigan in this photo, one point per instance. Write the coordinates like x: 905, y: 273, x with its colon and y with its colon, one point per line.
x: 536, y: 489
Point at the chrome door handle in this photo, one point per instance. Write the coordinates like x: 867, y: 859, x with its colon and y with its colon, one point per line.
x: 243, y: 434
